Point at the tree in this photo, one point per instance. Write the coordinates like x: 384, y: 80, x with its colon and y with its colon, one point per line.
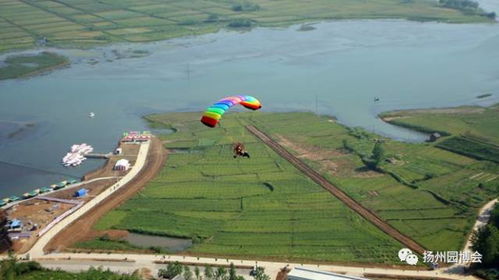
x: 232, y: 272
x: 486, y: 242
x: 187, y: 273
x: 377, y: 157
x: 260, y: 274
x: 197, y: 273
x: 378, y: 154
x: 208, y: 272
x: 221, y: 273
x: 172, y: 270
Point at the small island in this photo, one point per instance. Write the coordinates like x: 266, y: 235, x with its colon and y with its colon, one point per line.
x: 20, y: 66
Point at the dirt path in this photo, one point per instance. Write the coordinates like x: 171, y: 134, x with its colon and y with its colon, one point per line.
x: 482, y: 219
x: 354, y: 205
x: 82, y: 228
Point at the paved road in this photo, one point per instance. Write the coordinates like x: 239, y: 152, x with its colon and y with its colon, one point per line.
x: 350, y: 202
x: 126, y: 263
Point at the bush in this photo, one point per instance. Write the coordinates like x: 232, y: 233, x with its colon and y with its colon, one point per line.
x: 459, y: 4
x: 172, y: 270
x: 212, y: 18
x: 486, y: 242
x: 245, y: 7
x: 240, y: 23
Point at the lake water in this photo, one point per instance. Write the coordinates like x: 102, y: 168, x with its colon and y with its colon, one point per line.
x: 172, y: 244
x: 343, y: 65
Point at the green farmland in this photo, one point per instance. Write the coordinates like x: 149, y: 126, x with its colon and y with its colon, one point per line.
x: 85, y: 23
x: 258, y: 207
x: 238, y: 207
x: 427, y: 193
x: 471, y: 131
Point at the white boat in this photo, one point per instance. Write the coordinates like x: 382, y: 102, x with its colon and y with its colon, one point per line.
x: 91, y: 115
x: 77, y: 154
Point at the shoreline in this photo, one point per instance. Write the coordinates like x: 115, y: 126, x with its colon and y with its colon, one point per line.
x: 478, y: 19
x: 392, y: 117
x: 61, y: 49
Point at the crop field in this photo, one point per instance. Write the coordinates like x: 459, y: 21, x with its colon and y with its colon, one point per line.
x: 238, y: 207
x: 84, y: 23
x: 438, y: 192
x: 257, y: 207
x: 473, y: 130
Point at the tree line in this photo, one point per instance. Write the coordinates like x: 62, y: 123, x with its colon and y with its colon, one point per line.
x: 486, y: 242
x: 175, y: 269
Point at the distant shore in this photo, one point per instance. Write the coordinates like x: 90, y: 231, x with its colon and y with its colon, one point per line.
x: 98, y: 24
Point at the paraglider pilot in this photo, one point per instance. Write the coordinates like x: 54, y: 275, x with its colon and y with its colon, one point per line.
x: 239, y: 151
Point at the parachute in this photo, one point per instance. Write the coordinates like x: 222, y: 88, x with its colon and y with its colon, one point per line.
x: 214, y: 113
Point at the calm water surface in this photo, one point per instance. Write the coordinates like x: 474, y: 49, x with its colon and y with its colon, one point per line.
x: 343, y: 65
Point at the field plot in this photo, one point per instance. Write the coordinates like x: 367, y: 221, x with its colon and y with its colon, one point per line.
x: 472, y: 131
x: 258, y: 207
x: 425, y: 192
x: 83, y: 23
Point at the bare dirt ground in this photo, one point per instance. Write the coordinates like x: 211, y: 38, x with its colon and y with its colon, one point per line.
x: 34, y: 212
x: 40, y: 212
x: 82, y: 228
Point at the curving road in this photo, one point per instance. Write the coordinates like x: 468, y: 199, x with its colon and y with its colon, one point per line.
x: 37, y: 249
x: 482, y: 219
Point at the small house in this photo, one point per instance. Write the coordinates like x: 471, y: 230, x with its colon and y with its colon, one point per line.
x: 434, y: 137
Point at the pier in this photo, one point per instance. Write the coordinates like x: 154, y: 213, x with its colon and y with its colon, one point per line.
x: 96, y: 155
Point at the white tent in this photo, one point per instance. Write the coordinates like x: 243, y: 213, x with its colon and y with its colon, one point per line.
x: 122, y: 164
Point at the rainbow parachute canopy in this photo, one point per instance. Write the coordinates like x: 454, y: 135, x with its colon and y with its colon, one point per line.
x: 214, y: 113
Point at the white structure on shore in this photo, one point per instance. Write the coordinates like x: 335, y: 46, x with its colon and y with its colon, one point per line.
x: 122, y: 165
x: 300, y: 273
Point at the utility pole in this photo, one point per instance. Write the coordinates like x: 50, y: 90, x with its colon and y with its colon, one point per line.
x: 316, y: 104
x: 188, y: 71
